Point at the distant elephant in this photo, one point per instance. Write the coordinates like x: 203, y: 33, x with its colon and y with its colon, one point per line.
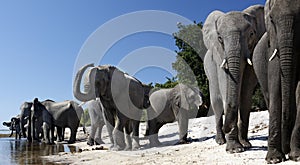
x: 25, y: 124
x: 14, y: 125
x: 169, y: 105
x: 25, y: 119
x: 95, y: 109
x: 43, y: 121
x: 230, y: 39
x: 123, y: 98
x: 66, y: 114
x: 276, y: 62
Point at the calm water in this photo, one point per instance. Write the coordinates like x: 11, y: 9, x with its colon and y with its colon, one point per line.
x: 21, y: 152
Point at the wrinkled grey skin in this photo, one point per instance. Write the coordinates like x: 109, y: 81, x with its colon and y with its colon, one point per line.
x: 66, y: 114
x: 279, y: 77
x: 97, y: 122
x: 169, y: 105
x: 14, y: 125
x: 123, y: 98
x: 43, y: 122
x: 230, y: 39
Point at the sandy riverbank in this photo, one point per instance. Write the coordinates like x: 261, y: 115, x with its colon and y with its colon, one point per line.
x: 203, y: 151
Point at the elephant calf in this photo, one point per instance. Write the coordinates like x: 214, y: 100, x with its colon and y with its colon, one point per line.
x: 168, y: 105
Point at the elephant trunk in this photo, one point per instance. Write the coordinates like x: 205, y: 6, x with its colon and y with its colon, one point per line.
x: 285, y: 42
x: 84, y: 97
x: 233, y: 83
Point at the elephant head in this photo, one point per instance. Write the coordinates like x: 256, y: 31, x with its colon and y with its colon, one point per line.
x: 187, y: 97
x: 231, y: 37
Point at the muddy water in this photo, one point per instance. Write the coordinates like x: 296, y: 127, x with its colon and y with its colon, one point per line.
x: 21, y: 152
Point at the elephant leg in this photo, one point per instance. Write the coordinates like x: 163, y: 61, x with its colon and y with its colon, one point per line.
x: 183, y: 122
x: 248, y: 85
x: 217, y: 106
x: 215, y: 96
x: 154, y: 127
x: 59, y: 132
x: 118, y: 133
x: 274, y: 154
x: 73, y: 135
x: 110, y: 123
x: 295, y: 143
x: 128, y: 131
x: 98, y: 139
x: 135, y: 135
x: 90, y: 141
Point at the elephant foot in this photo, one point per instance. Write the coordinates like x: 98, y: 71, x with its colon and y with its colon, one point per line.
x: 116, y: 148
x: 183, y: 141
x: 220, y: 139
x: 135, y: 146
x: 246, y: 143
x: 294, y: 156
x: 155, y: 143
x: 274, y: 156
x: 127, y: 148
x: 90, y: 142
x: 234, y: 146
x: 99, y: 141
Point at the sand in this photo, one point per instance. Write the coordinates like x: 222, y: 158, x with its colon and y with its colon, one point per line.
x: 203, y: 150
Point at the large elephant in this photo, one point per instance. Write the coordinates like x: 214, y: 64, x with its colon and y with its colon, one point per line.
x: 169, y: 105
x: 277, y: 66
x: 123, y: 98
x: 230, y: 39
x: 95, y: 109
x: 66, y: 114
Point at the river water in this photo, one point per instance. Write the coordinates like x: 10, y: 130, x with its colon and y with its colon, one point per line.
x: 21, y: 152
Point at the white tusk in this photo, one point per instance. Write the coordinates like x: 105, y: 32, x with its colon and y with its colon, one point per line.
x: 249, y: 61
x: 273, y: 55
x: 81, y: 104
x: 223, y: 63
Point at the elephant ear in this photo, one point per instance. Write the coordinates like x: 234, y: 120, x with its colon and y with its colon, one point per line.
x: 210, y: 33
x: 181, y: 100
x: 257, y: 12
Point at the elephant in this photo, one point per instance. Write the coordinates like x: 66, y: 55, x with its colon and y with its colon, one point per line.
x: 14, y: 125
x: 230, y: 39
x: 25, y: 125
x: 169, y: 105
x: 123, y: 97
x: 43, y: 121
x: 25, y: 120
x: 276, y: 61
x: 95, y: 109
x: 61, y: 115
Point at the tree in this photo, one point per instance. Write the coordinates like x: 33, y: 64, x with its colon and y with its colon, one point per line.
x: 190, y: 54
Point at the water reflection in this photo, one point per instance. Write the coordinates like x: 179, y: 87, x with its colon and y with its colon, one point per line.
x: 21, y: 152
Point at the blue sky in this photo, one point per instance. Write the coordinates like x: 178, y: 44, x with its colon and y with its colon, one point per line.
x: 40, y: 42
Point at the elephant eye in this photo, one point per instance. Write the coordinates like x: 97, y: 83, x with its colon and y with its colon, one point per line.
x: 252, y: 33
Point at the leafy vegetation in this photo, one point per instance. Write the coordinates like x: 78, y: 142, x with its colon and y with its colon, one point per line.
x: 85, y: 118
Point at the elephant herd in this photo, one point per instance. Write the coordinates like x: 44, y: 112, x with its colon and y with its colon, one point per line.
x: 41, y: 120
x: 257, y: 45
